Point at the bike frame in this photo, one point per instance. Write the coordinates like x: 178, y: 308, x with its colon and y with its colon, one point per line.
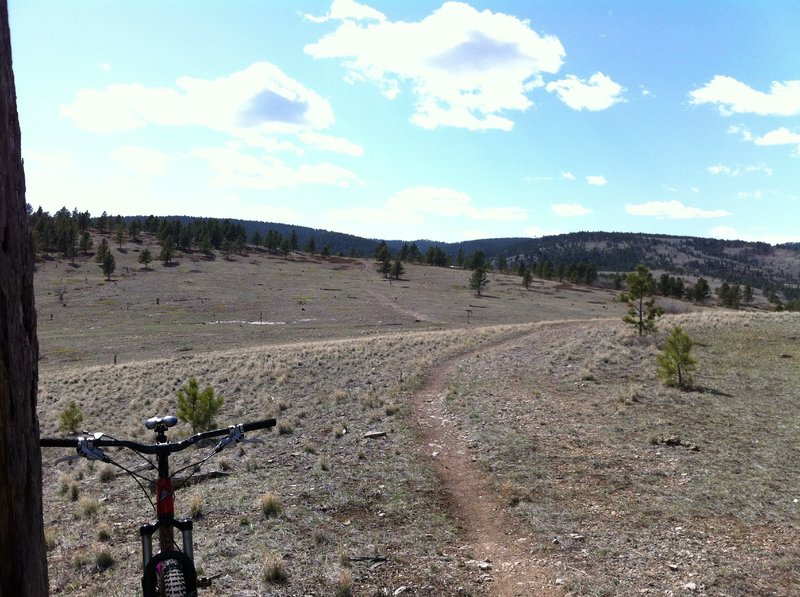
x: 91, y: 447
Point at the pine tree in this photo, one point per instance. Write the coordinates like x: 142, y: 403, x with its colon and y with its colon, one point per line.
x: 145, y: 257
x: 196, y: 407
x: 109, y: 265
x: 641, y: 313
x: 479, y: 280
x: 676, y: 363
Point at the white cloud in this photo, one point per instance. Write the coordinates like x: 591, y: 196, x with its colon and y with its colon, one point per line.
x: 569, y: 210
x: 597, y: 181
x: 237, y: 169
x: 779, y: 136
x: 465, y: 67
x: 598, y: 93
x: 567, y: 176
x: 141, y: 160
x: 446, y: 202
x: 343, y: 10
x: 740, y: 170
x: 331, y: 144
x: 257, y: 105
x: 734, y: 97
x: 672, y: 210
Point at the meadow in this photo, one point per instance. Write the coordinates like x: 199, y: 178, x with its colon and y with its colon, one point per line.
x: 525, y: 445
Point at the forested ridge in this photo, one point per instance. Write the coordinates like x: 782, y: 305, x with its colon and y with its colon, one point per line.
x: 579, y: 256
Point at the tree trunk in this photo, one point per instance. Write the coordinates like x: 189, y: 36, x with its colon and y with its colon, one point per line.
x: 23, y: 567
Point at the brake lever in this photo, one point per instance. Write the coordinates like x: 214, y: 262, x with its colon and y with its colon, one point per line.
x: 235, y: 435
x: 87, y: 449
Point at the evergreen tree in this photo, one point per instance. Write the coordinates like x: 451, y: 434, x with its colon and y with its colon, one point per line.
x: 120, y: 235
x: 86, y: 242
x: 145, y: 257
x: 198, y: 407
x: 675, y: 363
x: 167, y: 249
x: 642, y: 312
x: 701, y: 291
x: 109, y: 264
x: 311, y: 246
x: 397, y: 269
x: 747, y: 295
x: 527, y: 278
x: 102, y: 249
x: 478, y: 280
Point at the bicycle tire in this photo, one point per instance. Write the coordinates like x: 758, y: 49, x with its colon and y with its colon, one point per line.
x: 172, y: 582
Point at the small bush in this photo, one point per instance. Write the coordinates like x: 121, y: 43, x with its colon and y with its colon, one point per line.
x: 274, y: 570
x: 103, y: 533
x: 344, y: 586
x: 89, y: 506
x: 196, y: 407
x: 285, y: 428
x: 103, y: 559
x: 676, y: 363
x: 107, y: 473
x: 70, y: 418
x: 270, y: 504
x: 196, y: 507
x: 73, y: 492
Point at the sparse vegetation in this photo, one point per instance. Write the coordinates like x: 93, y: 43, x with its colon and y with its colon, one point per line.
x: 676, y: 363
x: 70, y: 418
x: 270, y: 505
x: 274, y: 570
x: 642, y: 314
x: 559, y: 422
x: 199, y: 408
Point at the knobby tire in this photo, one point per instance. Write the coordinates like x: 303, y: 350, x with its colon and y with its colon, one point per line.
x: 172, y: 582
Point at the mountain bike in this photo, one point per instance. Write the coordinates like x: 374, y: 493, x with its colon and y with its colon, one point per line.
x: 170, y: 572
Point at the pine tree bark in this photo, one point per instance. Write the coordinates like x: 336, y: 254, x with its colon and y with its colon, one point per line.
x: 23, y: 566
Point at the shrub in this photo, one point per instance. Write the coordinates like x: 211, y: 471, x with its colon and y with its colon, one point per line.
x: 344, y: 586
x: 675, y: 363
x: 70, y: 418
x: 103, y: 559
x: 89, y: 506
x: 196, y: 507
x: 196, y: 407
x: 270, y: 504
x: 274, y: 571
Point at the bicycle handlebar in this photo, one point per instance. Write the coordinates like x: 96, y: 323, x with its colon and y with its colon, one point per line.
x: 168, y: 447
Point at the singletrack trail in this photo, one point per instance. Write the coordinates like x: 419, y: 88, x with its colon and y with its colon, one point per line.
x: 491, y: 534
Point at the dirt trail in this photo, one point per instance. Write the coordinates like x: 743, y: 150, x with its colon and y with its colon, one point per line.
x: 489, y: 531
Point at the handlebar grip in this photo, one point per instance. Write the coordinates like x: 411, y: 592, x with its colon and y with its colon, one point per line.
x: 57, y: 442
x: 266, y: 423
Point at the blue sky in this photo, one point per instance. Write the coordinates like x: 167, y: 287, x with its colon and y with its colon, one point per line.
x: 415, y: 119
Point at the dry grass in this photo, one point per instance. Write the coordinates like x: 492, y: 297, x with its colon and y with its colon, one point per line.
x: 617, y: 512
x: 562, y: 422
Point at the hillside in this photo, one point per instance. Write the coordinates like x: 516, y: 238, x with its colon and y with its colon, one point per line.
x: 581, y: 474
x: 775, y: 270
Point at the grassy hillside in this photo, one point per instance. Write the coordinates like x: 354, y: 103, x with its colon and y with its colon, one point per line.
x: 613, y: 484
